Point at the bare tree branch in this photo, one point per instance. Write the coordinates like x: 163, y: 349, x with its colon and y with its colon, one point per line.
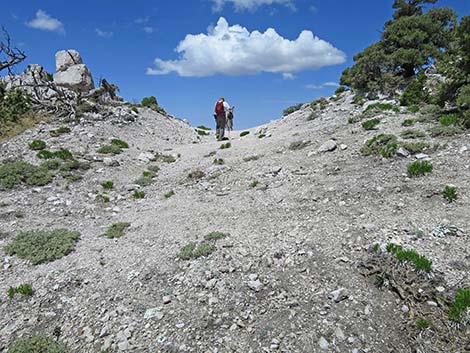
x: 9, y: 55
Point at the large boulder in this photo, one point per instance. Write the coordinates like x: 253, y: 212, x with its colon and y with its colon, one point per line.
x: 34, y: 74
x: 67, y: 58
x: 76, y: 77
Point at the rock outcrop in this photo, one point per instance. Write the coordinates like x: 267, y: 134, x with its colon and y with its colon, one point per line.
x: 71, y: 72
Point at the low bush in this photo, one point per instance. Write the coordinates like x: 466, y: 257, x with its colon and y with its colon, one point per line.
x: 202, y: 132
x: 260, y: 136
x: 441, y: 130
x: 408, y: 122
x: 244, y: 133
x: 312, y: 116
x: 146, y: 179
x: 149, y: 102
x: 42, y: 246
x: 370, y: 124
x: 107, y: 185
x: 169, y: 194
x: 340, y: 90
x: 460, y: 306
x: 37, y: 343
x: 138, y: 195
x: 383, y: 144
x: 420, y: 262
x: 422, y: 324
x: 116, y: 230
x: 14, y: 104
x: 382, y: 107
x: 215, y: 236
x: 319, y: 103
x: 292, y: 109
x: 37, y: 145
x: 412, y: 134
x: 218, y: 161
x: 14, y: 173
x: 109, y: 149
x: 415, y: 92
x: 202, y: 127
x: 60, y: 154
x: 359, y: 100
x: 416, y: 147
x: 450, y: 193
x: 160, y: 157
x: 449, y: 120
x: 254, y: 183
x: 193, y: 251
x: 153, y: 168
x: 102, y: 198
x: 418, y: 168
x: 60, y: 131
x: 225, y: 145
x: 119, y: 143
x: 196, y: 174
x: 414, y: 108
x: 25, y: 289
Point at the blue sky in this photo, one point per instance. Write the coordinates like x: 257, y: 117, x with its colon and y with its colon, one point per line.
x: 260, y: 73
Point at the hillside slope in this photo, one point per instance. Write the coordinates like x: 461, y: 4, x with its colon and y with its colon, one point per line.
x: 292, y: 273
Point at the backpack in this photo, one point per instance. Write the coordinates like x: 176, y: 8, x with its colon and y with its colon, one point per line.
x: 219, y: 108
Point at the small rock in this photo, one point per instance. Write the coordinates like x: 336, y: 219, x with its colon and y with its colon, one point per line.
x: 323, y: 343
x: 110, y: 162
x: 343, y: 147
x: 340, y: 334
x: 463, y: 149
x: 153, y: 313
x: 328, y: 146
x: 255, y: 285
x: 166, y: 299
x: 338, y: 295
x: 422, y: 156
x: 402, y: 152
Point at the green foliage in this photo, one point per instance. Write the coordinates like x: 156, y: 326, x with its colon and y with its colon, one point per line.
x: 146, y: 179
x: 408, y: 122
x: 225, y: 145
x: 449, y: 120
x: 25, y: 289
x: 412, y: 134
x: 202, y: 127
x: 382, y: 107
x: 319, y: 103
x: 14, y: 105
x: 370, y: 124
x: 60, y: 131
x: 219, y: 161
x: 37, y: 343
x: 383, y: 144
x: 359, y: 100
x: 102, y: 198
x: 159, y: 157
x: 193, y: 251
x: 149, y: 102
x: 460, y: 305
x: 213, y: 236
x: 244, y: 133
x: 450, y: 193
x: 420, y: 262
x: 13, y: 173
x: 109, y: 149
x: 61, y: 154
x: 119, y: 143
x: 415, y: 93
x: 292, y: 109
x: 441, y: 130
x: 37, y: 145
x: 202, y: 132
x: 153, y: 168
x: 138, y: 195
x: 250, y: 158
x: 169, y: 194
x: 416, y: 147
x: 42, y: 246
x: 196, y: 174
x: 260, y: 136
x: 340, y: 90
x: 254, y: 183
x: 422, y: 324
x: 107, y: 185
x: 116, y: 230
x: 312, y: 116
x: 418, y: 168
x: 414, y: 108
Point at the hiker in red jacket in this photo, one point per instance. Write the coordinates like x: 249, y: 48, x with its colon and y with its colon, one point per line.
x: 222, y: 108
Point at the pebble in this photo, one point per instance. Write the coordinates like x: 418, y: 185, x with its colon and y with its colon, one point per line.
x: 338, y: 295
x: 323, y: 343
x: 255, y: 285
x: 166, y: 299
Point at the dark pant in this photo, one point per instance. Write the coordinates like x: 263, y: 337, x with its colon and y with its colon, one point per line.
x: 220, y: 127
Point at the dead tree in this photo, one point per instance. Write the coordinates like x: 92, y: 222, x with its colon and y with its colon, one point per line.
x: 9, y: 55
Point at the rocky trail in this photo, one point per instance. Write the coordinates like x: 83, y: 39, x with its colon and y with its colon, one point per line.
x: 300, y: 209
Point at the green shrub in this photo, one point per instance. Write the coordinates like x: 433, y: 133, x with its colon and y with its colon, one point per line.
x: 119, y: 143
x: 72, y: 164
x: 359, y: 100
x: 382, y: 107
x: 408, y: 122
x: 418, y: 168
x: 24, y: 289
x: 215, y: 236
x: 148, y: 174
x: 450, y: 193
x: 60, y: 131
x: 420, y: 262
x: 202, y: 127
x: 244, y: 133
x: 116, y: 230
x: 460, y: 305
x: 415, y: 93
x: 138, y: 195
x: 107, y: 185
x: 186, y: 251
x: 37, y: 343
x: 197, y: 174
x: 416, y: 147
x: 225, y: 145
x: 42, y: 246
x: 412, y: 134
x: 169, y: 194
x: 102, y: 198
x: 13, y: 173
x: 380, y: 144
x: 441, y: 130
x: 422, y: 324
x: 146, y: 179
x: 389, y: 150
x: 449, y: 120
x: 109, y: 149
x: 37, y: 145
x: 298, y: 145
x: 319, y: 103
x: 51, y: 164
x: 153, y: 168
x: 312, y: 116
x: 219, y: 161
x: 254, y: 183
x: 413, y: 108
x: 61, y: 154
x: 260, y: 136
x: 370, y: 124
x: 340, y: 90
x: 202, y: 132
x: 149, y: 102
x: 191, y: 251
x: 292, y: 109
x: 159, y: 157
x: 14, y: 105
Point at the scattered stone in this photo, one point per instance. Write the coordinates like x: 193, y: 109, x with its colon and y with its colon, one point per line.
x: 153, y: 313
x: 255, y: 285
x: 328, y: 146
x: 338, y: 295
x: 402, y: 152
x: 323, y: 343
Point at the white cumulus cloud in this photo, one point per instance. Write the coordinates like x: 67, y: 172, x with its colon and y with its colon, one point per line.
x: 233, y: 50
x: 148, y: 29
x: 45, y: 22
x: 323, y: 85
x: 103, y: 34
x: 241, y: 5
